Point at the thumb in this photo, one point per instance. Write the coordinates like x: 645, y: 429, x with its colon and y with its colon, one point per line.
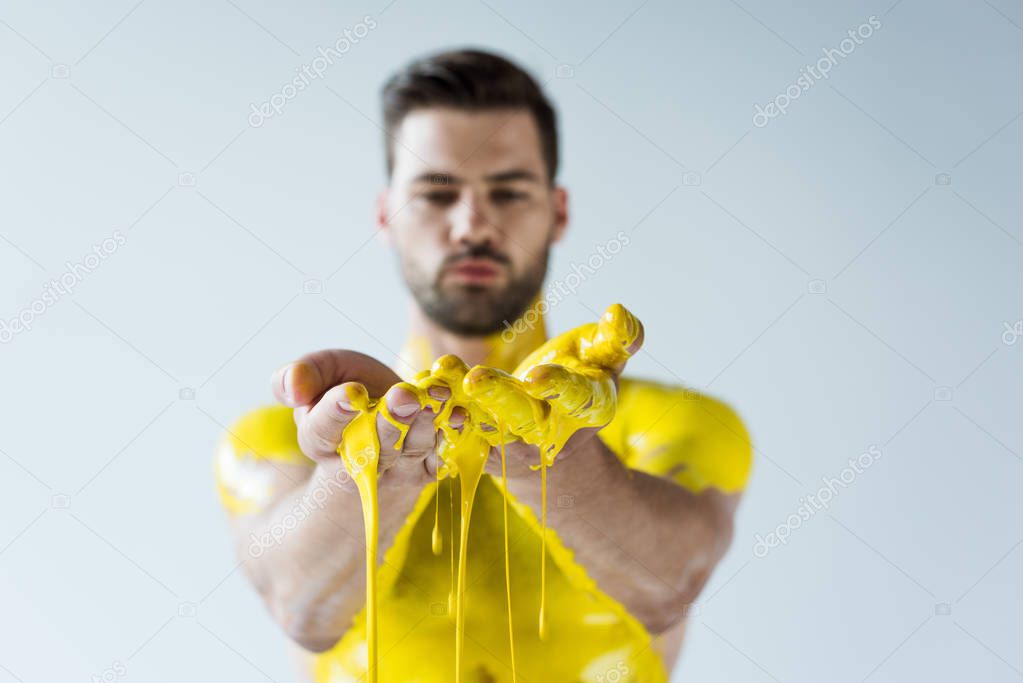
x: 302, y: 382
x: 618, y: 336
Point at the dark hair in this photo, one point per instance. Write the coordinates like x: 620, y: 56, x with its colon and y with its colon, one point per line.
x: 473, y: 80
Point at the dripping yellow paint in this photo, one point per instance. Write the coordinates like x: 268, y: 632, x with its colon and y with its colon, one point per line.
x: 576, y: 369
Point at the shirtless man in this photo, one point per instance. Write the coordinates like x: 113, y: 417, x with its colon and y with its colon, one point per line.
x: 639, y: 512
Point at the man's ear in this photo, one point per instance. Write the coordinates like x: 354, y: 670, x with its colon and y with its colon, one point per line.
x: 383, y: 216
x: 560, y: 197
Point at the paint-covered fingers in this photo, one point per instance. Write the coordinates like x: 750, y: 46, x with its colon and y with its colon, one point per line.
x: 408, y: 432
x: 501, y: 395
x: 617, y: 337
x: 400, y: 422
x: 584, y: 395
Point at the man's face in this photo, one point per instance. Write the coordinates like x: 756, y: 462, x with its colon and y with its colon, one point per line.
x: 471, y: 214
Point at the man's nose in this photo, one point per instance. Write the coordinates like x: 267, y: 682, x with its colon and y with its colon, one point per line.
x: 469, y: 220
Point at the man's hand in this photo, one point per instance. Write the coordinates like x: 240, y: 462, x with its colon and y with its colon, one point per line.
x: 573, y: 376
x: 317, y: 385
x: 313, y: 594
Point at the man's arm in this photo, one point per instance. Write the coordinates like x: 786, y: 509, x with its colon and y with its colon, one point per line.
x: 646, y: 506
x: 650, y: 520
x: 306, y: 553
x: 645, y: 540
x: 302, y: 543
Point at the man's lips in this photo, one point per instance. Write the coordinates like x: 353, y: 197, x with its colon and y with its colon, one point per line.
x: 475, y: 270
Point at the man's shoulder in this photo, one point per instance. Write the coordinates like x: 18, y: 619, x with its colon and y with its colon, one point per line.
x: 644, y: 396
x: 673, y: 429
x: 254, y: 451
x: 266, y: 433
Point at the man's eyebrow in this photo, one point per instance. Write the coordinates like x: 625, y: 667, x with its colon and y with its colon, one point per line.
x: 437, y: 178
x: 443, y: 178
x: 514, y: 174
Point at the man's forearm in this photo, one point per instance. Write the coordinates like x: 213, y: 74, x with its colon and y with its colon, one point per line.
x: 306, y: 554
x: 646, y: 541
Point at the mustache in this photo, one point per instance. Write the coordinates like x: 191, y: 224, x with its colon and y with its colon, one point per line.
x: 478, y: 252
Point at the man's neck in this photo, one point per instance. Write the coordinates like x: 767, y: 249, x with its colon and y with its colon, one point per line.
x: 427, y: 341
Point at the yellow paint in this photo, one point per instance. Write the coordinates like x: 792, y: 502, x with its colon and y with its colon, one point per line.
x: 693, y: 439
x: 437, y: 542
x: 269, y: 434
x: 262, y: 436
x: 668, y: 431
x: 360, y: 452
x: 507, y: 555
x: 563, y: 386
x: 542, y: 630
x: 451, y: 545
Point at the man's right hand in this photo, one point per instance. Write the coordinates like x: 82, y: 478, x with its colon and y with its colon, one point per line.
x: 315, y: 386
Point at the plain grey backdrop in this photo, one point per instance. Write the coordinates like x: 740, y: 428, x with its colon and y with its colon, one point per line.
x: 846, y: 273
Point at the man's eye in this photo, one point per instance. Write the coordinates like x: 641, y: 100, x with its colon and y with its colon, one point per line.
x: 506, y: 196
x: 440, y: 198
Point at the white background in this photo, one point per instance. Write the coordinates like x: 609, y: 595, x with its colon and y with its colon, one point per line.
x: 110, y: 526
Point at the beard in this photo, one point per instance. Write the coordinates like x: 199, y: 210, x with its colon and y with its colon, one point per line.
x: 475, y: 310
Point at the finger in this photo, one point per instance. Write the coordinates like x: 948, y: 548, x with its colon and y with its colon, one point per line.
x: 402, y: 405
x: 448, y: 369
x: 633, y: 348
x: 444, y: 380
x: 585, y: 396
x: 411, y: 407
x: 618, y: 336
x: 421, y: 438
x: 421, y: 443
x: 422, y: 435
x: 302, y: 381
x: 320, y: 427
x: 458, y: 417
